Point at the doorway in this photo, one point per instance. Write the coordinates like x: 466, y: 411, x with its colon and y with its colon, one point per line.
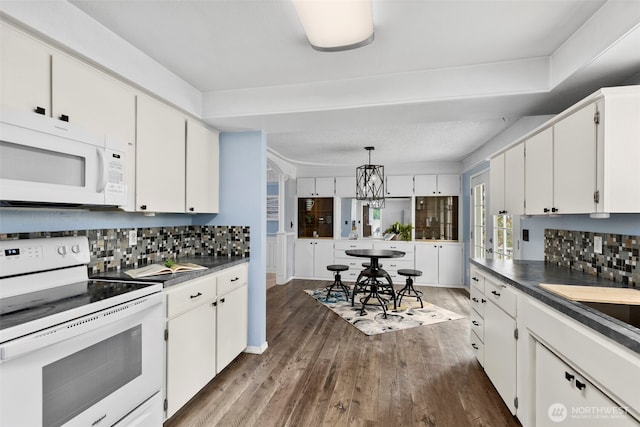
x: 481, y: 221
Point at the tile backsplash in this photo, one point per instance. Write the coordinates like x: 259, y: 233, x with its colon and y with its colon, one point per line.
x: 110, y: 248
x: 619, y: 260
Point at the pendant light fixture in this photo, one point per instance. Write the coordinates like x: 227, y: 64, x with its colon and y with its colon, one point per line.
x: 335, y: 25
x: 370, y: 183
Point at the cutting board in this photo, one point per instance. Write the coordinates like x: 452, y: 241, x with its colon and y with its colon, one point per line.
x: 595, y: 293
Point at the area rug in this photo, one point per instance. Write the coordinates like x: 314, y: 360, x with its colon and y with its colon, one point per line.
x: 409, y: 315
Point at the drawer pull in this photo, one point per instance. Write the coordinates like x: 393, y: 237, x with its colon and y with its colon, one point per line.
x: 40, y: 110
x: 474, y: 299
x: 199, y: 294
x: 496, y: 293
x: 475, y: 323
x: 568, y: 376
x: 580, y: 385
x: 235, y: 280
x: 475, y: 346
x: 475, y: 279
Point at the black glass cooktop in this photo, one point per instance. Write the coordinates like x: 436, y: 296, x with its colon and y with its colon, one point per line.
x: 36, y: 305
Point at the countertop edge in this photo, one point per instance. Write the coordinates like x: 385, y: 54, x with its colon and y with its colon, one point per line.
x: 213, y: 264
x: 623, y: 334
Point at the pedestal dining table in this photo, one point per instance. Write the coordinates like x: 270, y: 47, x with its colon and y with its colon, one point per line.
x: 371, y: 284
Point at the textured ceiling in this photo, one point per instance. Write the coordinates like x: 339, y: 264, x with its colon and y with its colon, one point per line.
x: 440, y: 79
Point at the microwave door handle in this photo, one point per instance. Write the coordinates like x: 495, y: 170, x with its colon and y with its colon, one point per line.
x: 102, y: 180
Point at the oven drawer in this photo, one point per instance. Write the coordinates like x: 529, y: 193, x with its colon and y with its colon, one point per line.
x: 184, y: 297
x: 232, y: 278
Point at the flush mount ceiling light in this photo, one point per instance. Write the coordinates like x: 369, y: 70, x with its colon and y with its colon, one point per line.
x: 335, y: 25
x: 370, y: 183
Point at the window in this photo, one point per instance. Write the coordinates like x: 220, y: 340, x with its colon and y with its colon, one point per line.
x: 479, y: 221
x: 503, y: 236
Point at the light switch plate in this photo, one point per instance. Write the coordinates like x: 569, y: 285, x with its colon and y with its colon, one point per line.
x: 597, y: 244
x: 133, y: 237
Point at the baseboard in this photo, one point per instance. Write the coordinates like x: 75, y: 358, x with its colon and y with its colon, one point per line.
x: 256, y: 349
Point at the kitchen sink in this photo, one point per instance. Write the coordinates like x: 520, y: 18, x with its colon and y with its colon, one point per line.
x: 627, y: 313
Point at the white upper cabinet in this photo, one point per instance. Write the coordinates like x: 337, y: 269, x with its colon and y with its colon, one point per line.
x: 345, y: 186
x: 586, y: 161
x: 618, y: 150
x: 496, y: 184
x: 315, y: 187
x: 507, y: 182
x: 398, y: 185
x: 437, y: 185
x: 574, y: 162
x: 93, y: 100
x: 202, y: 174
x: 160, y: 168
x: 25, y: 73
x: 539, y: 173
x: 514, y: 180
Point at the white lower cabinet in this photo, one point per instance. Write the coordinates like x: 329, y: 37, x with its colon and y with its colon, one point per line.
x: 354, y: 264
x: 207, y: 323
x: 233, y: 314
x: 312, y: 257
x: 548, y: 368
x: 191, y: 340
x: 564, y: 397
x: 392, y: 265
x: 500, y: 352
x: 440, y: 263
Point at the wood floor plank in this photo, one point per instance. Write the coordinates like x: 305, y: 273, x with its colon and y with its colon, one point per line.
x: 320, y: 371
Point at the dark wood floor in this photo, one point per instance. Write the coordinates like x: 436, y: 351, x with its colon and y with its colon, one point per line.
x: 320, y: 370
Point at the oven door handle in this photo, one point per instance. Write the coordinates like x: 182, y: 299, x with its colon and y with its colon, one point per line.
x: 76, y: 327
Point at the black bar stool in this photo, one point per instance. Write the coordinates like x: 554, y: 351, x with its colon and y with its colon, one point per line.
x: 337, y: 280
x: 408, y: 289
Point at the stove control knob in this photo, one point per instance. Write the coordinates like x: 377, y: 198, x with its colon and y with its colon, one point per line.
x: 75, y: 249
x: 62, y: 250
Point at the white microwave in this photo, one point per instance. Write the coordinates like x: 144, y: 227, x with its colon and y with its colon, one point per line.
x: 44, y: 161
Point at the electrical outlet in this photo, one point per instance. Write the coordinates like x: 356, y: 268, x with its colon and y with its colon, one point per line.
x: 597, y: 244
x: 133, y: 237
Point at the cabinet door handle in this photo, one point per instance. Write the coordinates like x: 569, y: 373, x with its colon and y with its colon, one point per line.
x: 474, y: 345
x: 215, y: 303
x: 475, y: 323
x: 40, y: 110
x: 554, y: 209
x: 496, y: 293
x: 483, y: 300
x: 475, y: 279
x: 580, y: 385
x: 196, y: 295
x: 235, y: 280
x: 192, y: 209
x: 222, y: 300
x: 568, y: 376
x: 545, y: 210
x: 143, y: 207
x: 64, y: 117
x: 474, y: 299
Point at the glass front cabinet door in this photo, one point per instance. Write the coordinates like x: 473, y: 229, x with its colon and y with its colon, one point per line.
x: 436, y: 218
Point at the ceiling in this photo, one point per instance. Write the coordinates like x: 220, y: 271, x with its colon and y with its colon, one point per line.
x: 440, y: 79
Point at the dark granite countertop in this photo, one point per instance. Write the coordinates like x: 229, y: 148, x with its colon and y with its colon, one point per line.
x: 526, y: 276
x: 213, y: 265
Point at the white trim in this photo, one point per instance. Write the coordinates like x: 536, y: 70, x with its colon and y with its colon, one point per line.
x: 256, y: 349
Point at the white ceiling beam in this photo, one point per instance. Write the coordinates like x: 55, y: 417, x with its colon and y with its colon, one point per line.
x: 614, y: 21
x: 504, y: 78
